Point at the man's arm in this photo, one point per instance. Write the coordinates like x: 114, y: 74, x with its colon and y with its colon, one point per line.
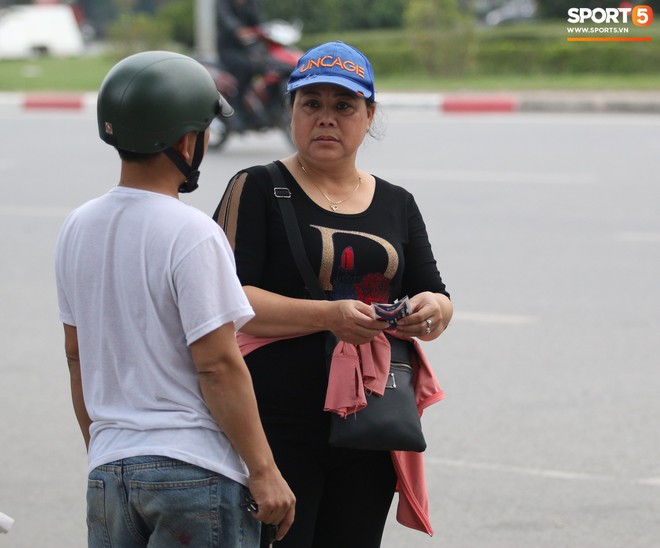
x: 230, y: 23
x: 227, y: 390
x: 73, y: 359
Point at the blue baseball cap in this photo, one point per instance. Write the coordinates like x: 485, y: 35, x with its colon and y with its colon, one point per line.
x: 334, y: 63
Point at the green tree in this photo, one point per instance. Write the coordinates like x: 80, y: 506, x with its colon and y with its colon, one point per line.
x: 338, y: 15
x: 133, y: 31
x: 179, y: 17
x: 442, y: 34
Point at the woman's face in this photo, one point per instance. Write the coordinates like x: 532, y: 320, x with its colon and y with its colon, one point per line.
x: 329, y: 122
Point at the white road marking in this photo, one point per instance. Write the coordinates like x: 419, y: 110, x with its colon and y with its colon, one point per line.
x: 44, y: 212
x: 538, y: 472
x: 513, y: 177
x: 638, y: 237
x: 655, y: 482
x: 487, y: 317
x: 492, y: 176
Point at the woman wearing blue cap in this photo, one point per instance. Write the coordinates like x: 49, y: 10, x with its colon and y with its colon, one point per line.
x: 366, y: 242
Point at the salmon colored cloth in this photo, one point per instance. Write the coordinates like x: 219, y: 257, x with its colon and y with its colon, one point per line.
x: 354, y: 373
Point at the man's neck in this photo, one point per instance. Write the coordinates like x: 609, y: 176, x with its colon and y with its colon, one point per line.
x: 159, y: 176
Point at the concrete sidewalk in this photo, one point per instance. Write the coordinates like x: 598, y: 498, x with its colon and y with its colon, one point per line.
x: 452, y: 102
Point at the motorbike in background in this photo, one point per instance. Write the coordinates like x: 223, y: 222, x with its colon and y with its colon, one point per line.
x: 264, y: 104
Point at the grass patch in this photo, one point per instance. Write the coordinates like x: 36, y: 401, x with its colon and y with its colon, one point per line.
x: 51, y: 74
x: 87, y: 73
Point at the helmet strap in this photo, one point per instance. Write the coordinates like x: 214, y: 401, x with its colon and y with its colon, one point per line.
x: 191, y: 172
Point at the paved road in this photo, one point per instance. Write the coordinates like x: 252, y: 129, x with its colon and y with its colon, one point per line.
x: 546, y: 229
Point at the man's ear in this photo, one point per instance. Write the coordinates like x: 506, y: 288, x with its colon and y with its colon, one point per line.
x: 186, y: 145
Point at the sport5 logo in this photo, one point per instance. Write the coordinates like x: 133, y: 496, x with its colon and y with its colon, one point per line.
x: 641, y: 16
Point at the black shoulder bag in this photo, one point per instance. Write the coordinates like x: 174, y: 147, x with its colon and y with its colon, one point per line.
x: 390, y: 422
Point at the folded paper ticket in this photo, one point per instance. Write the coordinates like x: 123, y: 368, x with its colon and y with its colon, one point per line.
x: 392, y: 312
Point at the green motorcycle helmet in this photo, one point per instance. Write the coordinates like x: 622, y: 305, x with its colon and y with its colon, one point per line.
x: 149, y: 100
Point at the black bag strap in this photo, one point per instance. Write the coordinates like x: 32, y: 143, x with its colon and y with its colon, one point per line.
x: 283, y: 195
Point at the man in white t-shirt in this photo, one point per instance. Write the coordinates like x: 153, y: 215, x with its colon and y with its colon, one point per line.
x: 150, y: 302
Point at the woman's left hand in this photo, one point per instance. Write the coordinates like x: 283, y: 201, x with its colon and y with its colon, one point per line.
x: 431, y: 313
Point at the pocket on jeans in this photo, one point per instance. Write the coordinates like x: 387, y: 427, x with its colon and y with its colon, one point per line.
x: 96, y: 523
x: 190, y: 508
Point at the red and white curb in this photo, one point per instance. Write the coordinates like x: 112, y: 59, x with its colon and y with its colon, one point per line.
x: 48, y: 101
x: 444, y: 103
x: 484, y: 103
x: 466, y: 104
x: 450, y: 103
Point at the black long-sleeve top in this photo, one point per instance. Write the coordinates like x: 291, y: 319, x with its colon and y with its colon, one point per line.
x: 379, y: 255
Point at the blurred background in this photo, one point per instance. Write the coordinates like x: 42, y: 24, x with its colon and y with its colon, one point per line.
x: 413, y: 44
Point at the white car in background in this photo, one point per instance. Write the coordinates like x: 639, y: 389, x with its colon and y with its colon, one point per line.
x: 32, y: 30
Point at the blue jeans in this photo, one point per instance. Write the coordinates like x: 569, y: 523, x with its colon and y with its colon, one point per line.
x: 161, y: 502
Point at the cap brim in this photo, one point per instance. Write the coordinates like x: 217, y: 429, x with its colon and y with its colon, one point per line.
x: 351, y: 85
